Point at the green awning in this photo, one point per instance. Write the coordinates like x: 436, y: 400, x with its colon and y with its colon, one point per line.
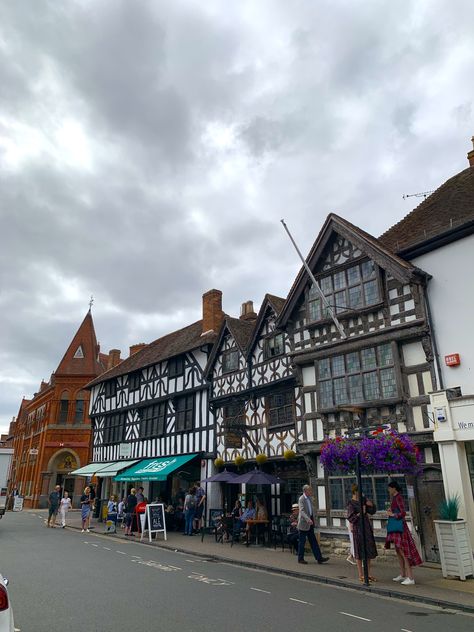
x: 89, y: 470
x: 112, y: 469
x: 154, y: 469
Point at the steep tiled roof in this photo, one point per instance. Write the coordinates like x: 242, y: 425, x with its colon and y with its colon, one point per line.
x: 450, y: 206
x: 241, y: 331
x: 87, y: 362
x: 276, y: 302
x: 172, y: 344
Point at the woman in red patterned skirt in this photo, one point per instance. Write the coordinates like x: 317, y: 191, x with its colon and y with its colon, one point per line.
x: 405, y: 546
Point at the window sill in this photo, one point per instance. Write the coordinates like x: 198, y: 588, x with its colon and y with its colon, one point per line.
x: 376, y: 403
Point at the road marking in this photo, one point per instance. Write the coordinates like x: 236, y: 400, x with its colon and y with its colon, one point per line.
x: 405, y: 630
x: 260, y: 590
x: 301, y: 601
x: 121, y: 552
x: 191, y: 561
x: 208, y: 580
x: 348, y: 614
x: 106, y: 548
x: 96, y: 545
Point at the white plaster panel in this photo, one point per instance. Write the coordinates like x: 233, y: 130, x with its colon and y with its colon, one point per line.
x: 418, y: 418
x: 394, y: 309
x: 309, y: 430
x: 319, y: 430
x: 427, y: 382
x: 321, y: 498
x: 413, y: 385
x: 429, y: 455
x: 413, y: 354
x: 319, y: 467
x: 309, y: 376
x: 307, y: 403
x: 336, y: 522
x: 323, y: 522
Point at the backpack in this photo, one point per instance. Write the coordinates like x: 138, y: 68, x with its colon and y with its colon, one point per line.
x: 191, y: 504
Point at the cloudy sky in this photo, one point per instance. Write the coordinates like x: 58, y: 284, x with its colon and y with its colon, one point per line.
x: 148, y: 150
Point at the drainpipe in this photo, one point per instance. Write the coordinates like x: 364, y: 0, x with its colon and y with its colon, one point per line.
x: 433, y: 339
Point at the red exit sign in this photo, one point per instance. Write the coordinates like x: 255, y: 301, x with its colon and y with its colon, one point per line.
x: 453, y: 359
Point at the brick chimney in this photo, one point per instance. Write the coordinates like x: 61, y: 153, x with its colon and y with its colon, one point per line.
x: 138, y: 347
x: 114, y: 358
x: 212, y: 314
x: 247, y: 311
x: 470, y: 154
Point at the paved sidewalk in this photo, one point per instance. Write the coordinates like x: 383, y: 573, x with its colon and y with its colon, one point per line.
x: 430, y: 587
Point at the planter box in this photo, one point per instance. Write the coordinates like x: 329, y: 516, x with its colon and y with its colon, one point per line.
x: 454, y: 548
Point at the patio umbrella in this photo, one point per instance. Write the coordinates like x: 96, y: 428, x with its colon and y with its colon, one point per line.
x: 256, y: 477
x: 222, y: 477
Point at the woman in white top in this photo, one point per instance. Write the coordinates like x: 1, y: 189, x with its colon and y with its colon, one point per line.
x: 64, y: 507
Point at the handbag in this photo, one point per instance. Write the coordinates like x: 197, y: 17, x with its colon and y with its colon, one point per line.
x: 394, y: 525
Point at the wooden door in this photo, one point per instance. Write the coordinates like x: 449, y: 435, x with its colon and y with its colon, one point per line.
x: 430, y: 493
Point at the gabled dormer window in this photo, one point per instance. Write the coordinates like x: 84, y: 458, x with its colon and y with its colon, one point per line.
x: 111, y: 388
x: 230, y: 360
x: 134, y: 381
x: 176, y: 366
x: 273, y: 346
x: 351, y: 289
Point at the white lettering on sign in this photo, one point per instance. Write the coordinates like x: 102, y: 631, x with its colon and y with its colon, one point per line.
x: 466, y: 425
x: 156, y: 466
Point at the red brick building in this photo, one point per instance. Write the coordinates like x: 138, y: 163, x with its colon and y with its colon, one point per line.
x: 52, y: 433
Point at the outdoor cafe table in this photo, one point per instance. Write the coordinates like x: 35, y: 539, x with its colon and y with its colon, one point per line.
x: 255, y: 523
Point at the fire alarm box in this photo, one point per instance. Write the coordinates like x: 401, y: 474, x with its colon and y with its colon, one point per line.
x: 453, y: 359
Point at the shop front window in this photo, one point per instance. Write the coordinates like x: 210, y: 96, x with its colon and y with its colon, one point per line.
x: 374, y: 488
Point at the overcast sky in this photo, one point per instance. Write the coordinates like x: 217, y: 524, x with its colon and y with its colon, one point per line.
x: 148, y: 150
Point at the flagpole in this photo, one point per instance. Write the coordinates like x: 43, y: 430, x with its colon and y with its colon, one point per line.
x: 340, y: 328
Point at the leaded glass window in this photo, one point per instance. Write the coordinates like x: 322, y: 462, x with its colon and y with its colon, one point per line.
x: 354, y: 288
x: 357, y: 377
x: 280, y: 408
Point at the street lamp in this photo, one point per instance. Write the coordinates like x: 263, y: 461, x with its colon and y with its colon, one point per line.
x: 364, y: 430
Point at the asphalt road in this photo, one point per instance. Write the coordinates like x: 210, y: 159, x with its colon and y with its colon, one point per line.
x: 68, y: 581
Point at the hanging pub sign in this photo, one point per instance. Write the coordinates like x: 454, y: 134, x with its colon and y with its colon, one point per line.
x: 154, y: 521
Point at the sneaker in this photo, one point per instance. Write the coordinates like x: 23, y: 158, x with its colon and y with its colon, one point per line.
x: 408, y: 582
x: 82, y: 531
x: 88, y: 530
x: 399, y: 579
x: 351, y: 560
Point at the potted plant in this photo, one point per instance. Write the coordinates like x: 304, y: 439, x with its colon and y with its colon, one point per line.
x: 453, y: 540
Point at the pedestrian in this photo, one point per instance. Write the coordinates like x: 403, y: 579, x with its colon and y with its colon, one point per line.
x: 292, y: 536
x: 399, y: 535
x: 86, y: 509
x: 92, y: 505
x: 130, y: 505
x: 189, y: 511
x: 200, y: 503
x: 354, y: 514
x: 306, y: 527
x: 53, y: 506
x: 64, y: 507
x: 140, y: 495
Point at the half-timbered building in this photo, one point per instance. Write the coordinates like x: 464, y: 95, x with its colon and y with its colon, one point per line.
x: 382, y: 370
x: 154, y: 404
x: 256, y: 400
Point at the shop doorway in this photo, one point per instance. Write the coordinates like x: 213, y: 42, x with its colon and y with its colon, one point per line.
x: 430, y: 493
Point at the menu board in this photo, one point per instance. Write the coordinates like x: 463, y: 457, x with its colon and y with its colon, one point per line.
x: 155, y: 520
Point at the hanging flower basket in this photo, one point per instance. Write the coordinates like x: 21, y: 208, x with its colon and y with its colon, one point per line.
x: 261, y: 459
x: 239, y: 461
x: 219, y: 462
x: 379, y: 452
x: 289, y: 454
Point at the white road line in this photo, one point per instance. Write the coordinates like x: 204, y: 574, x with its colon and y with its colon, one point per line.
x: 348, y: 614
x: 106, y: 548
x: 96, y: 545
x: 260, y: 590
x: 121, y: 552
x: 405, y: 630
x: 191, y: 561
x: 301, y: 601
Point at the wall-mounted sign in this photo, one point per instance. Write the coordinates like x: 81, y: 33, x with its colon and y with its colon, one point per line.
x: 34, y: 451
x: 125, y: 450
x: 453, y: 359
x: 440, y: 413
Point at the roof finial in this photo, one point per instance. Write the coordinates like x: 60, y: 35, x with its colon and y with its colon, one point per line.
x: 91, y: 302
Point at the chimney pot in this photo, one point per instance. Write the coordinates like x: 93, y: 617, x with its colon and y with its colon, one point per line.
x: 247, y: 311
x: 470, y: 154
x: 114, y: 358
x: 212, y: 314
x: 136, y: 348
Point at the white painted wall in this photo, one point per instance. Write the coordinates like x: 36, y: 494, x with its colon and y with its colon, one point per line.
x: 451, y: 298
